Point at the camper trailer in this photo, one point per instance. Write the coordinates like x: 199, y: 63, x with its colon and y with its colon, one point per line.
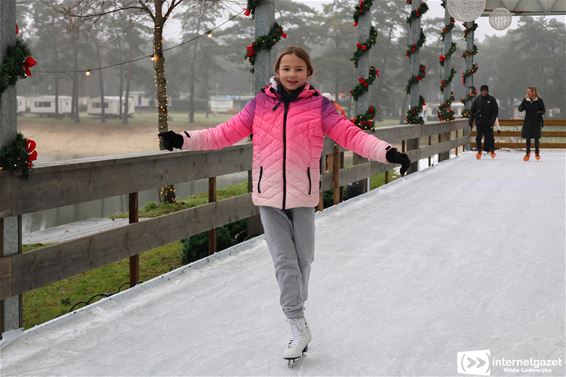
x: 45, y: 105
x: 228, y: 104
x: 111, y: 106
x: 141, y: 100
x: 21, y: 104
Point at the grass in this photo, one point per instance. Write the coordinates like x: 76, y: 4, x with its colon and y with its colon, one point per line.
x: 139, y: 119
x: 56, y: 299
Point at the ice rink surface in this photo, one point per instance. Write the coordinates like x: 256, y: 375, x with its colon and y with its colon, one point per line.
x: 468, y: 255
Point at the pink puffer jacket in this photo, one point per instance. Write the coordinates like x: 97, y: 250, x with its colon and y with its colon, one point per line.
x: 287, y: 144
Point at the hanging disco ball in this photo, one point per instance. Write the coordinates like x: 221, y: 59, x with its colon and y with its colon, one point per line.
x: 500, y: 18
x: 466, y: 10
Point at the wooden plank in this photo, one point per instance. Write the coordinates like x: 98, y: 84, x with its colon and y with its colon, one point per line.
x: 518, y: 133
x: 43, y: 266
x: 522, y: 145
x: 63, y: 184
x: 519, y: 122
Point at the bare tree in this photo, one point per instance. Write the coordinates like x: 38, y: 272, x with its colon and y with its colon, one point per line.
x: 159, y: 12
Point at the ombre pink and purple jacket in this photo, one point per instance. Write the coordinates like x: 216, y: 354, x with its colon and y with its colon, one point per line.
x: 287, y: 144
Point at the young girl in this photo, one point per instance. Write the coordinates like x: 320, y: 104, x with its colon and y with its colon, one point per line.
x: 289, y: 119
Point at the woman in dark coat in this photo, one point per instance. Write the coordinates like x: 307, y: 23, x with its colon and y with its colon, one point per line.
x: 533, y: 106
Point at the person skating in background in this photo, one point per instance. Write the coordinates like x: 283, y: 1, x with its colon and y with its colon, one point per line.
x: 289, y: 119
x: 339, y: 107
x: 484, y: 112
x: 533, y: 106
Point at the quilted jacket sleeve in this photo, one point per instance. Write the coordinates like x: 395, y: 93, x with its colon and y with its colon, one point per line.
x: 349, y: 136
x: 223, y: 135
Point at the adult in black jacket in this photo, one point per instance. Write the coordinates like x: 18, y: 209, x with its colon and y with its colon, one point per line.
x: 484, y: 111
x: 533, y: 106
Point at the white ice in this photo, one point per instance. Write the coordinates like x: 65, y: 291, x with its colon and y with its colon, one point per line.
x: 467, y: 255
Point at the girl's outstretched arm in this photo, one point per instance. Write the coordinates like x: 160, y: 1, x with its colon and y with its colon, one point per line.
x: 223, y: 135
x: 349, y: 136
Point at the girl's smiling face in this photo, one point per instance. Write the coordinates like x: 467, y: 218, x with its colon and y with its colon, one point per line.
x: 292, y: 72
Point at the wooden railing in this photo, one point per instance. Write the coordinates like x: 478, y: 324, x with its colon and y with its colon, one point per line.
x: 56, y: 184
x: 553, y: 134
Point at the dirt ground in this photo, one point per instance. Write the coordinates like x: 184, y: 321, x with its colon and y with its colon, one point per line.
x: 63, y: 139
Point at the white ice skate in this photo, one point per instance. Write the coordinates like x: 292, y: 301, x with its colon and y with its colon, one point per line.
x: 299, y: 343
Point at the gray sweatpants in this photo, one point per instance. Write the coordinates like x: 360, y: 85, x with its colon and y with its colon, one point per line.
x: 290, y: 240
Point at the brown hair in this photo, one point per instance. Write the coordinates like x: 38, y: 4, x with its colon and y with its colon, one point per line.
x: 300, y: 53
x: 534, y: 90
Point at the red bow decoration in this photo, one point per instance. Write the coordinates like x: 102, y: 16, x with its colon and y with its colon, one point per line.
x: 32, y: 153
x: 247, y: 12
x: 17, y: 29
x: 28, y: 63
x: 442, y: 58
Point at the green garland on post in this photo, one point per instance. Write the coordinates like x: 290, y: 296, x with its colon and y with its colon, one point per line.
x: 265, y: 42
x: 18, y: 155
x: 413, y: 115
x: 448, y: 55
x: 15, y: 65
x: 417, y: 13
x: 447, y: 28
x: 445, y: 82
x: 468, y: 30
x: 364, y: 83
x: 415, y: 79
x: 363, y: 7
x: 250, y: 9
x: 470, y: 96
x: 469, y: 72
x: 362, y: 48
x: 366, y: 121
x: 471, y: 52
x: 445, y: 112
x: 412, y: 49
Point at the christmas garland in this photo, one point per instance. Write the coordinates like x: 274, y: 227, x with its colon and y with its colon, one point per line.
x: 18, y: 155
x: 415, y: 79
x: 265, y: 42
x: 445, y: 112
x: 448, y: 55
x: 16, y: 64
x: 413, y: 115
x: 468, y: 72
x: 363, y: 48
x: 445, y: 82
x: 447, y: 28
x: 468, y: 30
x: 364, y: 83
x: 250, y: 9
x: 412, y: 49
x: 365, y: 121
x: 363, y: 7
x: 417, y: 13
x: 470, y: 96
x: 471, y: 52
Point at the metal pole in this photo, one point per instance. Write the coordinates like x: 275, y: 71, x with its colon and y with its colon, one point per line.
x: 10, y: 227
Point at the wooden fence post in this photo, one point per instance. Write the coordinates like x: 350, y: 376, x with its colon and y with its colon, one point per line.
x: 134, y: 218
x: 212, y: 247
x: 10, y: 227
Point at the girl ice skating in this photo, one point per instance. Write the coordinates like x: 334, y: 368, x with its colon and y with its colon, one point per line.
x: 533, y: 106
x: 289, y: 119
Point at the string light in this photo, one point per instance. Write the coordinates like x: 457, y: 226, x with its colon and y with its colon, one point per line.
x: 208, y: 33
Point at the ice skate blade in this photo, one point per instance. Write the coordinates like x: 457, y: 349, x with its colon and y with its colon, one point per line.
x: 291, y: 362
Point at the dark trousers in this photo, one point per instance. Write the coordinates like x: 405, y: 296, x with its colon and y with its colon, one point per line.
x: 536, y: 146
x: 485, y: 131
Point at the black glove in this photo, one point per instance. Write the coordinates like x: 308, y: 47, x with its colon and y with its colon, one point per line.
x: 171, y: 140
x: 396, y: 157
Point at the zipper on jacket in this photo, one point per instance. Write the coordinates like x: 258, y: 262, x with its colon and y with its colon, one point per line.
x: 309, y: 175
x: 259, y: 180
x: 286, y: 106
